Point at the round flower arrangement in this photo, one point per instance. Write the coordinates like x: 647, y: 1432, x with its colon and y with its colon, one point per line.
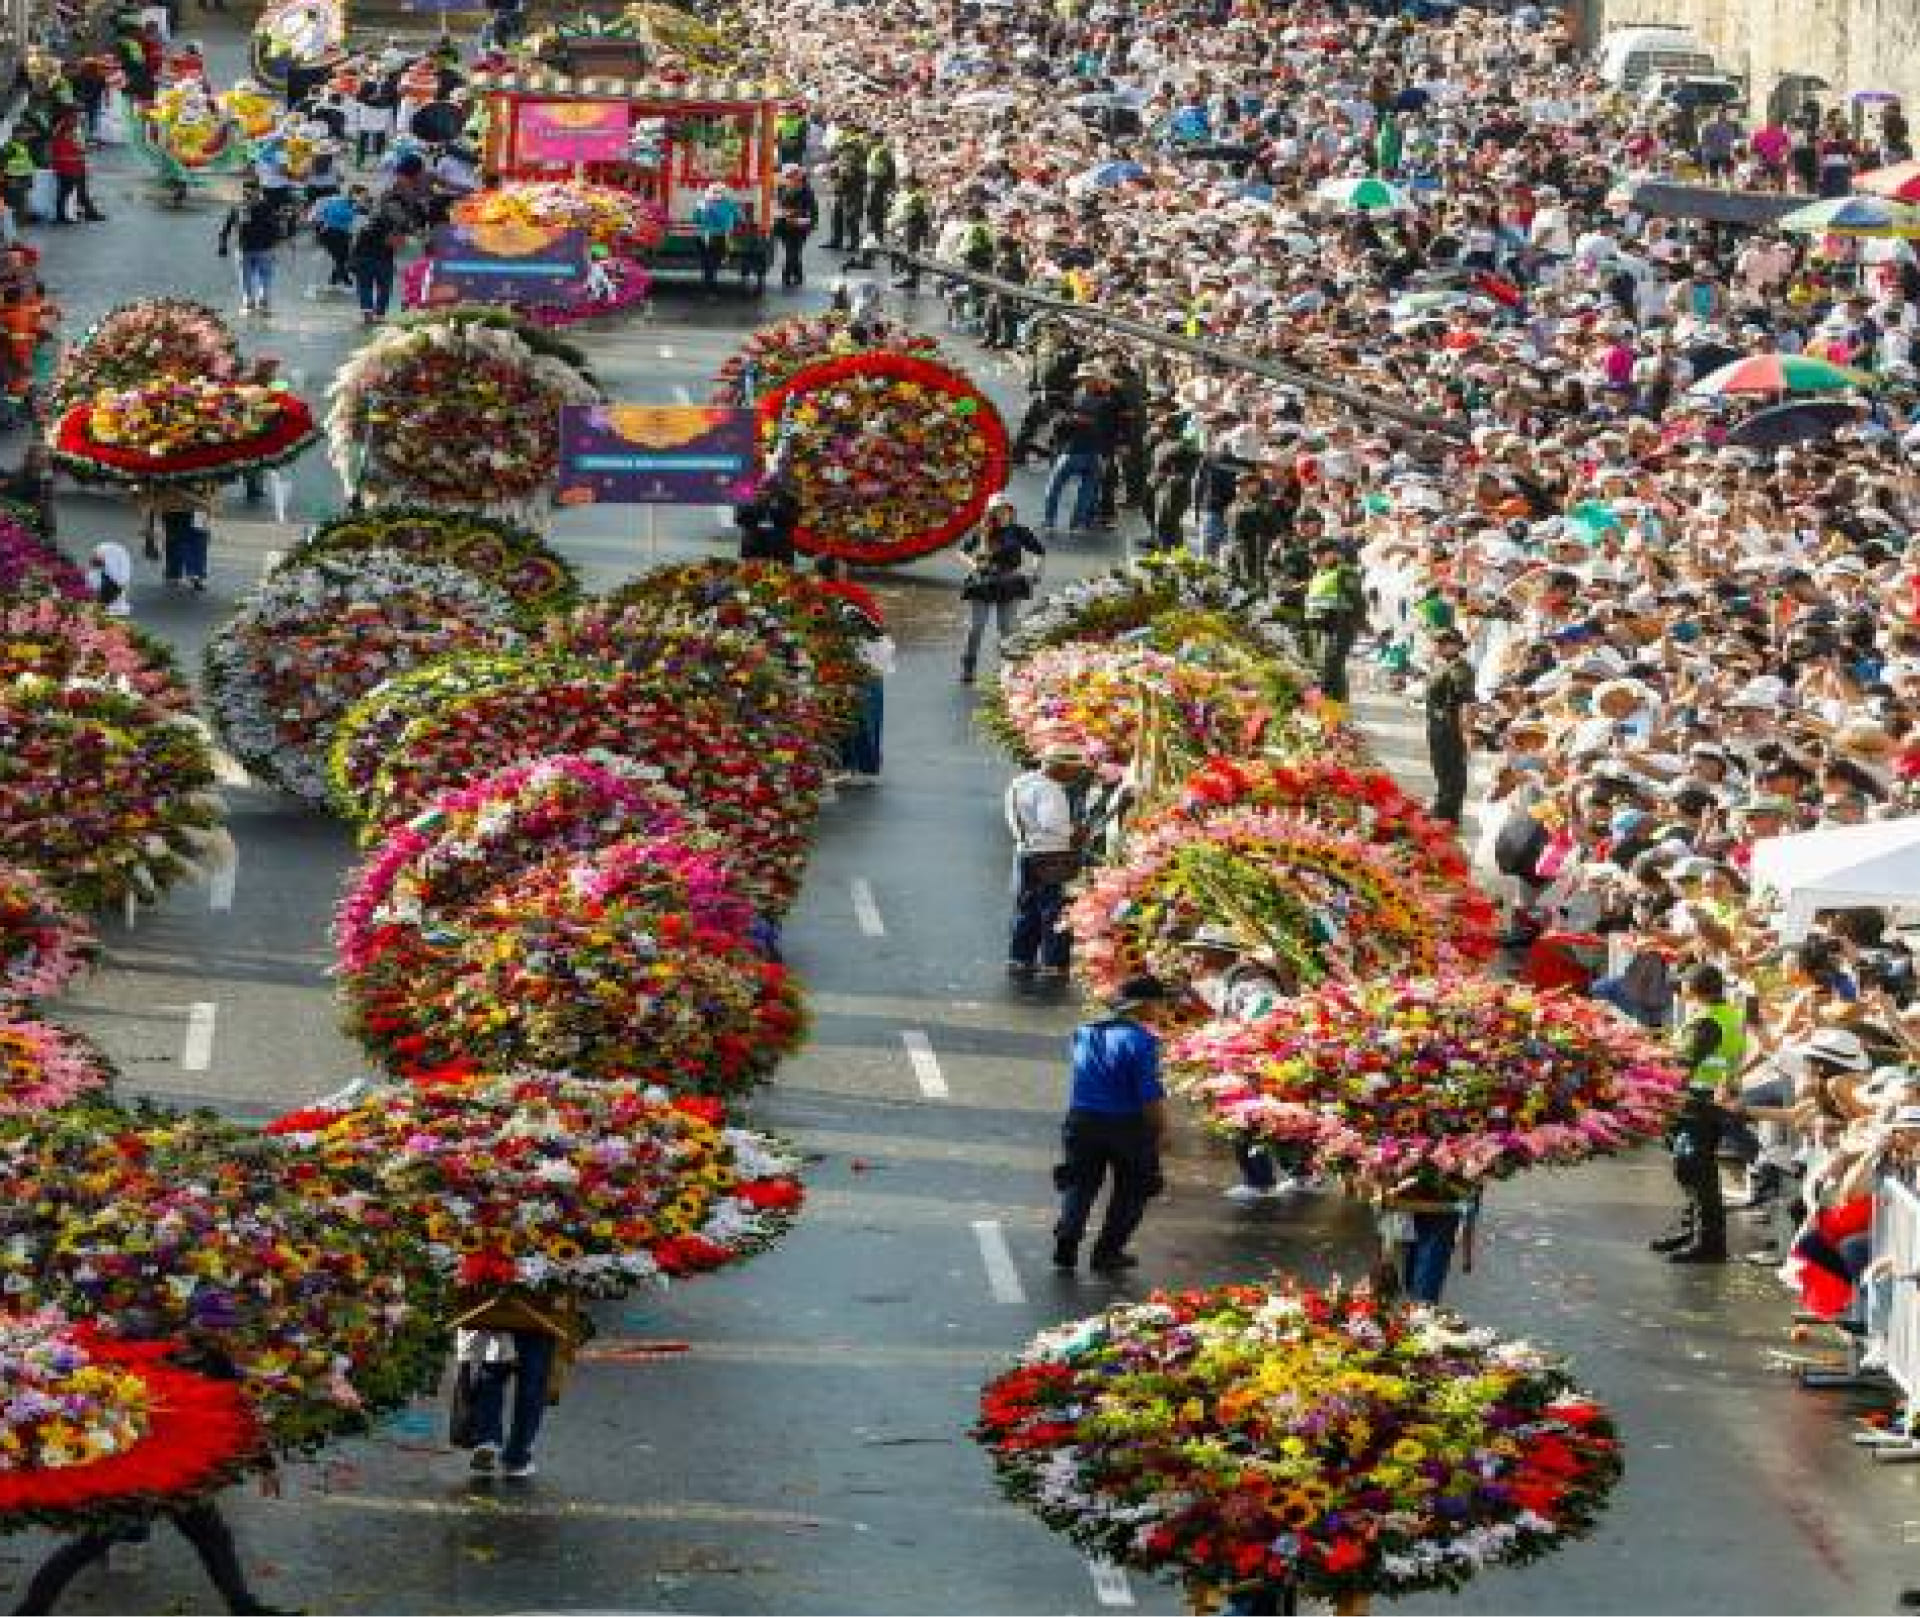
x: 609, y: 216
x: 65, y: 640
x: 43, y: 1066
x: 536, y: 1180
x: 183, y: 429
x: 145, y: 1221
x: 93, y: 1430
x: 1363, y: 802
x: 793, y: 614
x: 1154, y: 588
x: 1252, y: 1436
x: 892, y: 457
x: 1114, y: 699
x: 139, y: 341
x: 1317, y: 902
x: 31, y: 564
x: 368, y: 732
x: 313, y: 640
x: 457, y: 408
x: 472, y: 841
x: 510, y: 558
x: 619, y: 283
x: 770, y: 357
x: 728, y: 667
x: 759, y: 795
x: 1452, y: 1078
x: 43, y: 944
x: 149, y: 793
x: 636, y: 956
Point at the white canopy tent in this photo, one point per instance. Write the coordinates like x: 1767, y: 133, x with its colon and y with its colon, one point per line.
x: 1848, y: 867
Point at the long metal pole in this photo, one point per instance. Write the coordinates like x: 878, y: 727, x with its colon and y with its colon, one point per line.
x: 1372, y: 404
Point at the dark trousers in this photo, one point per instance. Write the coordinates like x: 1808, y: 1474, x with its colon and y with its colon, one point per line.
x: 1037, y: 935
x: 334, y: 243
x: 1447, y: 751
x: 1256, y: 1167
x: 200, y: 1524
x: 1703, y: 1214
x: 1333, y: 640
x: 373, y: 279
x: 69, y: 189
x: 849, y: 215
x: 531, y: 1374
x: 1096, y: 1147
x: 1429, y: 1255
x: 860, y: 752
x: 183, y: 544
x: 793, y: 247
x: 713, y: 257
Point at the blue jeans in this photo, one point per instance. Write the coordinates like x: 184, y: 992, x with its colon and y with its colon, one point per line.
x: 1037, y: 933
x: 1082, y: 469
x: 256, y: 276
x: 1430, y: 1255
x: 373, y: 280
x: 530, y: 1374
x: 1256, y: 1167
x: 183, y: 545
x: 860, y: 753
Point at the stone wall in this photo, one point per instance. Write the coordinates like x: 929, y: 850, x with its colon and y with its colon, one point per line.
x: 1852, y: 44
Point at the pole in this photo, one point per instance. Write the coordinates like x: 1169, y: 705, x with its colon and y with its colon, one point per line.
x: 653, y: 536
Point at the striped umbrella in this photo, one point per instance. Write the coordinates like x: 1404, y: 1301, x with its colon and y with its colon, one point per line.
x: 1900, y: 183
x: 1368, y: 194
x: 1854, y: 216
x: 1780, y: 373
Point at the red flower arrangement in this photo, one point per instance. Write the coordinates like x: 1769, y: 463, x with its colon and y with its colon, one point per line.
x: 99, y: 1430
x: 892, y: 456
x: 222, y: 430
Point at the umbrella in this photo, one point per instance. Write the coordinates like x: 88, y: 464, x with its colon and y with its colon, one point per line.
x: 1110, y: 100
x: 986, y: 100
x: 1803, y: 421
x: 1107, y: 175
x: 1854, y: 216
x: 1900, y: 183
x: 1780, y: 373
x: 1369, y: 194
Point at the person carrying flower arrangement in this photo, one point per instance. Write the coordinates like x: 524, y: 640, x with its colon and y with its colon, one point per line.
x: 1235, y: 986
x: 517, y: 1337
x: 1422, y: 1220
x: 1046, y: 810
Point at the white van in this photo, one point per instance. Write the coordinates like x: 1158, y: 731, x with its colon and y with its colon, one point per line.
x: 1630, y: 56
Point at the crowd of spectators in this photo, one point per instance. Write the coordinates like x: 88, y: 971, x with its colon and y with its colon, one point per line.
x: 1687, y: 630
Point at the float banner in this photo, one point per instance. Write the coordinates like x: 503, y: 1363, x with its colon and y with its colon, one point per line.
x: 572, y: 131
x: 493, y: 266
x: 655, y: 454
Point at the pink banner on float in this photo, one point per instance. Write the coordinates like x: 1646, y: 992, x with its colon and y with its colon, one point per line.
x: 573, y: 131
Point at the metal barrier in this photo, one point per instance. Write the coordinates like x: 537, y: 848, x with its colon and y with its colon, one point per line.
x: 1896, y: 1248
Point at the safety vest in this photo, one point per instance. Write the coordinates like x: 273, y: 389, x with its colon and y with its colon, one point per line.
x: 1730, y: 1054
x: 790, y: 126
x: 16, y: 162
x: 1328, y: 592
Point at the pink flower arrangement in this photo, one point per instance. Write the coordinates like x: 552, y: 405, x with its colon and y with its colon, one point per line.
x: 43, y: 1065
x: 1432, y: 1079
x: 43, y: 944
x: 59, y: 639
x: 31, y: 564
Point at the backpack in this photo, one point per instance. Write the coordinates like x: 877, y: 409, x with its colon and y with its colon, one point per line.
x: 375, y: 237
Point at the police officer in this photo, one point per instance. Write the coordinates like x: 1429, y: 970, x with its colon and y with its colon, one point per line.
x: 1711, y: 1043
x: 1336, y: 609
x: 1450, y: 696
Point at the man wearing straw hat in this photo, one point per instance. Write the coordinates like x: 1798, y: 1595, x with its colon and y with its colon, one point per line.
x: 1046, y: 812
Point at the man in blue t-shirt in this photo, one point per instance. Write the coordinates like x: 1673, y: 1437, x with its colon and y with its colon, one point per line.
x: 1116, y: 1124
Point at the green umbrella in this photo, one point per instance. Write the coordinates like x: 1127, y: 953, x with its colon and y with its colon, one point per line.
x: 1369, y: 194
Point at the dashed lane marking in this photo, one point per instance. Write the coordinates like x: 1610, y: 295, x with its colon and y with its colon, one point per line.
x: 1110, y: 1583
x: 926, y: 1065
x: 865, y: 910
x: 196, y: 1052
x: 1003, y: 1279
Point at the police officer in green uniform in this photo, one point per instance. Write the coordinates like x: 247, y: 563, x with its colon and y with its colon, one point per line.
x: 1336, y: 610
x: 1711, y: 1044
x: 1450, y: 694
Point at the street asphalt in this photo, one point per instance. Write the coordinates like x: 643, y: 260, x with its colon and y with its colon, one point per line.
x: 792, y: 1437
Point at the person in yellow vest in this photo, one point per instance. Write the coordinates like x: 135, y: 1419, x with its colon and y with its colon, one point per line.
x: 1336, y: 612
x: 1711, y: 1044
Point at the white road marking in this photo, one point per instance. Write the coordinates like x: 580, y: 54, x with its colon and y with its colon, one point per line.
x: 1003, y: 1280
x: 226, y: 876
x: 196, y: 1054
x: 666, y: 350
x: 1110, y: 1583
x: 228, y: 770
x: 865, y: 910
x: 926, y: 1065
x: 682, y: 394
x: 130, y: 907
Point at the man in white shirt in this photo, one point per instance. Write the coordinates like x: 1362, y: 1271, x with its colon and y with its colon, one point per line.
x: 1045, y: 811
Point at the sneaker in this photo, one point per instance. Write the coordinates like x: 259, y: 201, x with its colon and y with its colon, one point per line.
x: 485, y: 1457
x: 525, y: 1468
x: 1065, y: 1258
x: 1019, y: 968
x: 1108, y: 1263
x: 1253, y: 1193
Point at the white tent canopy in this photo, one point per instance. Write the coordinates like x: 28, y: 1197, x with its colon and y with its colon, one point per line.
x: 1848, y: 867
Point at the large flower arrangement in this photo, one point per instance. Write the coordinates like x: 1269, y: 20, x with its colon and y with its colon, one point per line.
x: 892, y: 456
x: 1455, y: 1078
x: 609, y: 216
x: 791, y: 613
x: 1318, y: 902
x: 312, y: 641
x: 30, y: 564
x: 510, y: 558
x: 145, y: 1221
x: 1155, y: 588
x: 43, y: 1065
x: 770, y: 356
x: 757, y: 794
x: 183, y: 429
x: 92, y: 1429
x: 638, y: 958
x: 1253, y: 1436
x: 63, y: 640
x: 458, y: 408
x: 142, y: 340
x: 1114, y: 700
x: 368, y: 732
x: 149, y: 794
x: 1363, y: 801
x: 43, y: 944
x: 474, y: 840
x: 539, y: 1181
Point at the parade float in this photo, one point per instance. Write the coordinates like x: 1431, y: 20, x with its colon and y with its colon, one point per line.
x: 182, y: 429
x: 503, y: 555
x: 1279, y: 1443
x: 771, y: 356
x: 31, y: 564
